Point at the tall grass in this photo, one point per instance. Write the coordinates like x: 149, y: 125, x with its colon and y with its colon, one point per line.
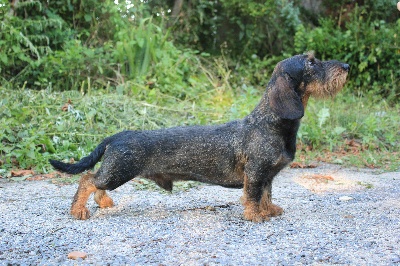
x: 138, y: 47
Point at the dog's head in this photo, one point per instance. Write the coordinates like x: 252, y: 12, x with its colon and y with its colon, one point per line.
x: 297, y: 78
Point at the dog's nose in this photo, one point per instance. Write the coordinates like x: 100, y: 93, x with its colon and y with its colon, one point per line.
x: 346, y: 67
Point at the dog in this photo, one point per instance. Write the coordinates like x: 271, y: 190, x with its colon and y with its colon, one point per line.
x: 245, y: 153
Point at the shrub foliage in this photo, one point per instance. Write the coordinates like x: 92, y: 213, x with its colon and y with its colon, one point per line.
x: 195, y: 55
x: 98, y: 44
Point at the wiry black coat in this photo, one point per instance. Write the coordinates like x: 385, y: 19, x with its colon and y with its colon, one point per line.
x: 247, y: 152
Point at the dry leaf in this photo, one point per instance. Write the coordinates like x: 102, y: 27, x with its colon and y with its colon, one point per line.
x: 319, y: 178
x: 300, y: 165
x: 66, y: 105
x: 15, y: 173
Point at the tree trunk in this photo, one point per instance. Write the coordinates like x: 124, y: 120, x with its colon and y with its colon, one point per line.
x: 175, y: 12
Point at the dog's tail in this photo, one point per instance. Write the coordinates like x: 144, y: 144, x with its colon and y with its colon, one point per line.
x: 85, y: 163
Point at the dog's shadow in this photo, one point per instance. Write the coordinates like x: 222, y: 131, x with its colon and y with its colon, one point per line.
x: 130, y: 208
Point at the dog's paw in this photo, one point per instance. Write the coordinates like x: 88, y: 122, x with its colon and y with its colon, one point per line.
x: 103, y: 200
x: 252, y: 213
x: 275, y: 210
x: 106, y: 202
x: 272, y: 210
x: 260, y: 212
x: 256, y: 217
x: 80, y: 213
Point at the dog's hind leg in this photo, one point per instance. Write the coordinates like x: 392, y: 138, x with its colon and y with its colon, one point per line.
x: 85, y: 189
x: 101, y: 198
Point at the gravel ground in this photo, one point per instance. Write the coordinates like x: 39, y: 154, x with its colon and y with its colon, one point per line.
x: 346, y: 216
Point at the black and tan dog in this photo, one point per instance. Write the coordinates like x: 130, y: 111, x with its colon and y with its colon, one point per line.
x: 245, y: 153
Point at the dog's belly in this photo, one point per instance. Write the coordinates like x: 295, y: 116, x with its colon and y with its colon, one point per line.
x: 230, y: 181
x: 233, y: 185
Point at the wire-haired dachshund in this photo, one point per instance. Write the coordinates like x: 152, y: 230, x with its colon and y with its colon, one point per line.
x: 245, y: 153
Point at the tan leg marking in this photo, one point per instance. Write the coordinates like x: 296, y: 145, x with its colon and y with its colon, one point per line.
x: 101, y: 198
x: 252, y: 212
x: 267, y: 208
x: 259, y: 211
x: 251, y: 208
x: 85, y: 189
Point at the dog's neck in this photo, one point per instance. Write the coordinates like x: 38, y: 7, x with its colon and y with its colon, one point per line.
x: 263, y: 115
x: 263, y: 118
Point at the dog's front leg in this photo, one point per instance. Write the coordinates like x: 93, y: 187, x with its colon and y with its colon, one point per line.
x: 257, y: 198
x: 267, y: 208
x: 252, y: 193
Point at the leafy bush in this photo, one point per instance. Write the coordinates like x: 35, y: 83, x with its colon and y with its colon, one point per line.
x: 147, y: 60
x: 75, y: 67
x: 244, y: 28
x: 47, y: 43
x: 23, y: 42
x: 329, y: 123
x: 137, y: 48
x: 89, y: 50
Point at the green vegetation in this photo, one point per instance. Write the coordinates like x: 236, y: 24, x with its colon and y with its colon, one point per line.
x: 351, y: 131
x: 73, y: 73
x: 38, y: 125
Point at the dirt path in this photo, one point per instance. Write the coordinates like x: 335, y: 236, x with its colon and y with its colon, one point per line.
x: 332, y: 216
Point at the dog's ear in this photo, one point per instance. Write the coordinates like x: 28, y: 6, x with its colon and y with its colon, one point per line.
x: 284, y: 101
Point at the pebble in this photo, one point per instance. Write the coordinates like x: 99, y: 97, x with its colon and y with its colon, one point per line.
x: 74, y: 255
x: 345, y: 198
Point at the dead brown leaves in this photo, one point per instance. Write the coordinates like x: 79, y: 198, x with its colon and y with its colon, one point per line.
x: 30, y: 175
x: 351, y: 150
x: 319, y: 178
x: 302, y: 165
x: 321, y: 183
x: 19, y: 173
x: 67, y: 105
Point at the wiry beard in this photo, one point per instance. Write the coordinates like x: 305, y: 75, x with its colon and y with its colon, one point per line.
x: 332, y: 84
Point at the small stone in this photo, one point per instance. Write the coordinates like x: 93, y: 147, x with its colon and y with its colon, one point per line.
x: 210, y: 208
x: 395, y: 259
x: 74, y: 255
x: 345, y: 198
x: 398, y: 6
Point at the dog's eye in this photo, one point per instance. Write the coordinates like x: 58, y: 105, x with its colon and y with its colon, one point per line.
x: 311, y: 63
